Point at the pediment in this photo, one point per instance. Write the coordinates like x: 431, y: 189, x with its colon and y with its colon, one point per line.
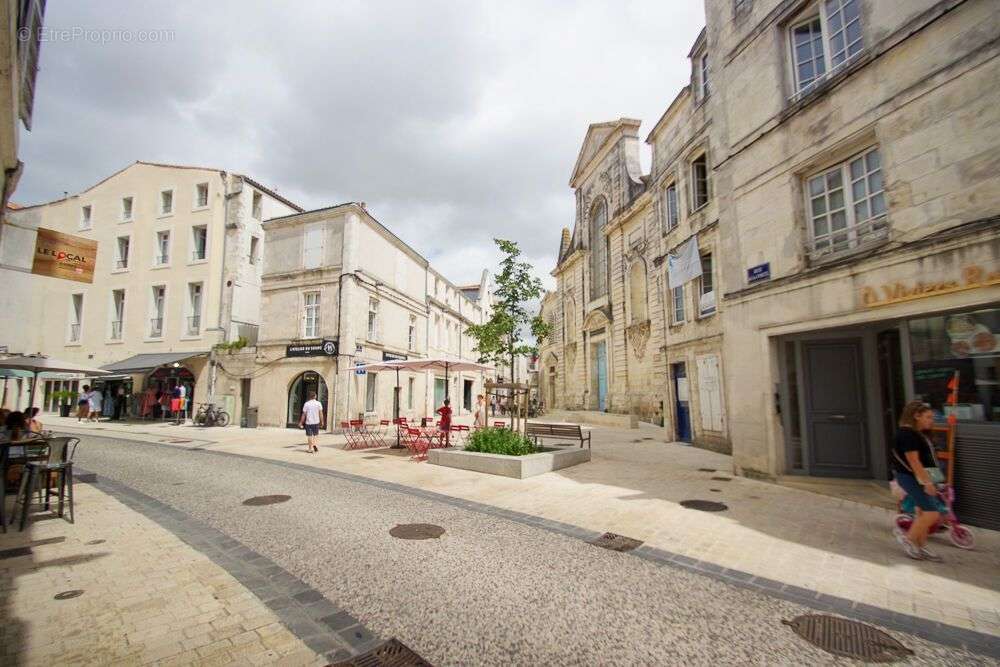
x: 599, y: 134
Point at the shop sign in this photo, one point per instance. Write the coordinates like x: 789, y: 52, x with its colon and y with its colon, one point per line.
x: 59, y: 255
x: 973, y: 277
x: 759, y: 272
x: 392, y: 356
x: 325, y: 348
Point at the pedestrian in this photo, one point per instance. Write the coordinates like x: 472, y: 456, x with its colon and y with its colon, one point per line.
x: 119, y: 402
x: 33, y: 424
x: 445, y: 412
x: 15, y: 426
x: 94, y: 403
x: 181, y: 394
x: 312, y: 420
x: 83, y: 405
x: 493, y: 406
x: 914, y: 469
x: 480, y: 418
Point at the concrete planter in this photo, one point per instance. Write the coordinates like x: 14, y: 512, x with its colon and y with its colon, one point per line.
x: 510, y: 466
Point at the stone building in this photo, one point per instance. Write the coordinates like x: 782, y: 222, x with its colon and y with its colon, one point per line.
x: 859, y: 186
x: 625, y: 341
x: 177, y: 271
x: 341, y: 290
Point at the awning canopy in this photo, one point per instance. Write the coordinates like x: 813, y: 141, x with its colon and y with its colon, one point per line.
x: 147, y: 362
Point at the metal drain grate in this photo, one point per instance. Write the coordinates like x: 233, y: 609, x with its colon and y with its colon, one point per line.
x: 716, y: 490
x: 707, y: 470
x: 372, y: 457
x: 616, y: 542
x: 256, y: 501
x: 67, y: 595
x: 704, y: 505
x: 849, y: 639
x: 393, y: 653
x: 416, y: 531
x: 722, y: 479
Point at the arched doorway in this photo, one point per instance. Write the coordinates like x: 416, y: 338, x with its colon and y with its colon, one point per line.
x: 298, y: 394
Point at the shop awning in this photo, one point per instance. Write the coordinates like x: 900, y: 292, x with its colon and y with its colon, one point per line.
x: 146, y: 362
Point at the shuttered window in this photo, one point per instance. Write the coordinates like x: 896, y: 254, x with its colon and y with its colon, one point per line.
x: 710, y: 392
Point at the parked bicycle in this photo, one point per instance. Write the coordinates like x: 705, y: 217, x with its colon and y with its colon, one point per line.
x: 211, y: 415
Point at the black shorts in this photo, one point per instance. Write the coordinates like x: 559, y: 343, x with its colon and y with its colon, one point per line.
x: 312, y: 429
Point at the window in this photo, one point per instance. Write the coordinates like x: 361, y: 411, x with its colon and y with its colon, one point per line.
x: 825, y: 41
x: 199, y: 242
x: 677, y: 298
x: 670, y: 207
x: 159, y: 299
x: 699, y: 182
x: 258, y: 205
x: 162, y: 251
x: 373, y: 319
x: 703, y: 76
x: 706, y: 287
x: 409, y: 393
x: 411, y: 336
x: 370, y: 382
x: 166, y: 202
x: 847, y: 204
x: 126, y: 209
x: 201, y: 195
x: 194, y: 303
x: 121, y: 252
x: 76, y: 318
x: 598, y: 250
x: 85, y: 217
x: 254, y: 242
x: 117, y: 313
x: 310, y: 317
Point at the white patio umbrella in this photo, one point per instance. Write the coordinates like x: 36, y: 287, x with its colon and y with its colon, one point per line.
x: 428, y: 364
x: 37, y: 363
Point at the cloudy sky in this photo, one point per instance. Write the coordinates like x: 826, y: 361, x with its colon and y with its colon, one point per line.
x: 455, y: 121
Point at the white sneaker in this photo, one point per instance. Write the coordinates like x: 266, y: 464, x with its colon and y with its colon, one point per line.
x: 929, y: 555
x: 909, y: 548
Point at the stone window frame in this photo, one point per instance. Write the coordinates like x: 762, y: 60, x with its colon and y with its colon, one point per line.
x: 678, y: 310
x: 598, y: 261
x: 131, y: 210
x: 313, y: 309
x: 197, y: 205
x: 122, y: 264
x: 699, y: 154
x: 161, y: 211
x: 706, y: 313
x: 672, y: 184
x: 819, y: 10
x: 157, y: 311
x: 86, y: 217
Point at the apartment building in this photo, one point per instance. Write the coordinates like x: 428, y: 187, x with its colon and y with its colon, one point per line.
x: 861, y: 237
x: 177, y: 271
x: 341, y: 290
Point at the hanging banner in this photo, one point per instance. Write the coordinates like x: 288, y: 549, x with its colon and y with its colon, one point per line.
x: 684, y: 265
x: 64, y: 256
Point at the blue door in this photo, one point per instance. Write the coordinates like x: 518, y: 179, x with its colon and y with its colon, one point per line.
x: 681, y: 402
x: 602, y: 376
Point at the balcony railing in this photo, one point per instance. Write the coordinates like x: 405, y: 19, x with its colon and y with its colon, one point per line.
x: 116, y: 330
x: 74, y: 333
x: 194, y: 325
x: 162, y: 259
x: 197, y: 255
x: 121, y: 264
x: 156, y: 327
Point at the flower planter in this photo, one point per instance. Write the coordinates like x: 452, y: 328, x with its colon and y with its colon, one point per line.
x: 519, y: 467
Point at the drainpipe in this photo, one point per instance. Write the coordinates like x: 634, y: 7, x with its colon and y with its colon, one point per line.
x: 212, y: 363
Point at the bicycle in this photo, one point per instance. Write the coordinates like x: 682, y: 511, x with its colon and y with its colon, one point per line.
x: 210, y: 415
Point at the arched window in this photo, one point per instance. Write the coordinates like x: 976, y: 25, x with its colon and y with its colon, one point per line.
x: 637, y: 291
x: 298, y: 394
x: 598, y: 250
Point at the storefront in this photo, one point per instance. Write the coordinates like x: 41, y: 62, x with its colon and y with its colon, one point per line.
x: 143, y: 385
x: 298, y: 393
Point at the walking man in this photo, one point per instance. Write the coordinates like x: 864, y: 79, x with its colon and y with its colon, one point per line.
x: 312, y: 420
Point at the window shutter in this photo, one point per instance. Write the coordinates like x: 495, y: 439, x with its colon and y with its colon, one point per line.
x: 709, y: 393
x: 313, y: 247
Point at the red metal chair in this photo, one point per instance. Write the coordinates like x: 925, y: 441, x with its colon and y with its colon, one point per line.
x: 459, y: 433
x: 498, y: 424
x: 417, y: 443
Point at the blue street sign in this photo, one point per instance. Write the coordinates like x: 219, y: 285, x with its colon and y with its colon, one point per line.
x: 359, y: 371
x: 759, y: 272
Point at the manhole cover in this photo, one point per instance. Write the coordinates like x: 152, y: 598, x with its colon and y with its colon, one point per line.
x: 393, y: 653
x: 66, y: 595
x: 847, y: 638
x: 416, y: 531
x: 704, y: 505
x: 266, y: 500
x: 706, y: 469
x: 722, y: 479
x: 616, y: 542
x: 372, y: 457
x: 94, y: 542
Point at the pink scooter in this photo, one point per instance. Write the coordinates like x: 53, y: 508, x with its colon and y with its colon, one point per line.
x: 961, y: 536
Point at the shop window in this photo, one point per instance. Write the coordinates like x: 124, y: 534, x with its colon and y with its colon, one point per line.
x: 967, y: 344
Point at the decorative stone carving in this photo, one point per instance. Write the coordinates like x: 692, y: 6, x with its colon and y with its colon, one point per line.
x: 638, y: 336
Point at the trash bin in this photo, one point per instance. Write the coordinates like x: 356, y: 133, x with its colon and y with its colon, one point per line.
x: 250, y: 418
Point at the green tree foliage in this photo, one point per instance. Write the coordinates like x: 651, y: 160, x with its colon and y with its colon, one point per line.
x: 500, y: 339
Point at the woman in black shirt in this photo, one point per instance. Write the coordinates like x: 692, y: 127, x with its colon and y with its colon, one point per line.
x: 912, y: 456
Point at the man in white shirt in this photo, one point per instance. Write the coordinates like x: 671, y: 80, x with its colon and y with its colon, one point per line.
x: 312, y: 420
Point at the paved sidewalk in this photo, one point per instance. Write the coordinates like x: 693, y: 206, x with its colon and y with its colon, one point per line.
x: 147, y: 597
x: 633, y: 487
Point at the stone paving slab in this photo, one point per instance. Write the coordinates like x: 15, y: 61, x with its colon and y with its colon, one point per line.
x: 147, y: 597
x: 633, y: 487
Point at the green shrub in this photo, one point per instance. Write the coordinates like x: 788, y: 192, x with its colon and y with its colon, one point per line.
x: 499, y: 441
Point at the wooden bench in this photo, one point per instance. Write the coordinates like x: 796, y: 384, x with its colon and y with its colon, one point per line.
x: 564, y: 431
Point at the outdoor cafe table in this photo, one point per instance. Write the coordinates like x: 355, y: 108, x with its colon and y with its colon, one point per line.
x: 17, y: 452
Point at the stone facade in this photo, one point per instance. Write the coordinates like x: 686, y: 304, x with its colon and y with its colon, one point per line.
x: 339, y: 275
